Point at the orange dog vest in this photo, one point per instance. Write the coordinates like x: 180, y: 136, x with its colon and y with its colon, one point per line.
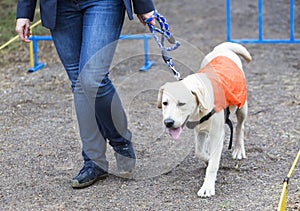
x: 228, y: 82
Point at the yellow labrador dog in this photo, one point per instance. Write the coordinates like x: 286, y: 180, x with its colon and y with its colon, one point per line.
x: 203, y: 101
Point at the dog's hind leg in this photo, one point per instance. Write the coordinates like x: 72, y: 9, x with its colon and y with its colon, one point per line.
x: 239, y: 148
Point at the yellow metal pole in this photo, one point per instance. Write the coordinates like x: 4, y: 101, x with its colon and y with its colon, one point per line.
x: 282, y: 202
x: 31, y: 54
x: 35, y: 24
x: 294, y: 165
x: 9, y: 42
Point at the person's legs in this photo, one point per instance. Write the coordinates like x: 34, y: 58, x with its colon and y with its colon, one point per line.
x: 100, y: 35
x: 84, y: 37
x: 112, y: 118
x: 67, y: 37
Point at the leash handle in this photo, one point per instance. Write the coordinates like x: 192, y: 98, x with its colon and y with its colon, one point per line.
x: 164, y: 30
x: 165, y: 33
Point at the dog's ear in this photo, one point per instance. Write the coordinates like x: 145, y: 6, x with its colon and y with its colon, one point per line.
x: 201, y: 97
x: 196, y: 85
x: 159, y: 98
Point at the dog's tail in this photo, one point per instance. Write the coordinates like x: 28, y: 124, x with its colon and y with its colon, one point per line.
x: 236, y: 48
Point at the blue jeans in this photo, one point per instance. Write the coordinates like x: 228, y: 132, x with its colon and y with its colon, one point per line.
x: 85, y: 37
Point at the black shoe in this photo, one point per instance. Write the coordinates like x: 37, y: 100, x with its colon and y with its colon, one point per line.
x: 88, y: 175
x: 125, y: 158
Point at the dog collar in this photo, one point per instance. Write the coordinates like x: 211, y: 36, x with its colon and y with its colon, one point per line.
x: 193, y: 124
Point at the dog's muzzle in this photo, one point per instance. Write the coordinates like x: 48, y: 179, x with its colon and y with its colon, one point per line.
x: 174, y: 132
x: 169, y: 122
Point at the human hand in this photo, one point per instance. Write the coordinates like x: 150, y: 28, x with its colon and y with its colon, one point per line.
x: 23, y: 29
x: 143, y: 17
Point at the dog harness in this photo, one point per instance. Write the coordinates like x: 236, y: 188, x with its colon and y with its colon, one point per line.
x: 228, y: 82
x: 229, y: 87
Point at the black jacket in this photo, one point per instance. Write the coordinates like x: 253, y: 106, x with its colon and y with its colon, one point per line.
x: 26, y: 8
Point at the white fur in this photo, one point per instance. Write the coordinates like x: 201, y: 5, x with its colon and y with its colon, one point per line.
x: 193, y: 98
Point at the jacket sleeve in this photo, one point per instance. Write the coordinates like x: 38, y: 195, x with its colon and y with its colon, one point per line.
x: 143, y: 6
x: 26, y: 8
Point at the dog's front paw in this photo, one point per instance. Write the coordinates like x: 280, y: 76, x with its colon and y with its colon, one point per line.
x: 206, y: 191
x: 239, y: 153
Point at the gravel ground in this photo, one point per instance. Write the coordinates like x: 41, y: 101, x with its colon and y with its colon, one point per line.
x: 40, y: 146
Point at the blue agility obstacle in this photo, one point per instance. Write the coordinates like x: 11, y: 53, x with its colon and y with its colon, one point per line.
x: 36, y: 65
x: 34, y: 50
x: 260, y: 39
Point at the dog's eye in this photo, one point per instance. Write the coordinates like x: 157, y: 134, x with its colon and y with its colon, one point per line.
x: 165, y: 103
x: 181, y: 104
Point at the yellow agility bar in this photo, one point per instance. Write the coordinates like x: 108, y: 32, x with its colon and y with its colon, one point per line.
x: 282, y: 202
x: 17, y: 36
x: 31, y: 58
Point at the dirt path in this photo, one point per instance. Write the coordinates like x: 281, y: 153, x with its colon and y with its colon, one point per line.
x: 40, y: 147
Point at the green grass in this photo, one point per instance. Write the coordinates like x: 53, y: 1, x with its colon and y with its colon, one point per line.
x: 8, y: 21
x: 7, y: 31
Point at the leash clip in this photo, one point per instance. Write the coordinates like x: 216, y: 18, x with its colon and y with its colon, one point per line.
x: 169, y: 61
x: 177, y: 75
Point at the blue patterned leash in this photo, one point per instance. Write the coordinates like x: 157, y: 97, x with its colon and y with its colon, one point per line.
x: 165, y: 33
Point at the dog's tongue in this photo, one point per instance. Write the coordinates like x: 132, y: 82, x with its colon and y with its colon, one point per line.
x: 175, y: 132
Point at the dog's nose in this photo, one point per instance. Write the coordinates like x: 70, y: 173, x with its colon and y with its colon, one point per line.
x: 169, y: 123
